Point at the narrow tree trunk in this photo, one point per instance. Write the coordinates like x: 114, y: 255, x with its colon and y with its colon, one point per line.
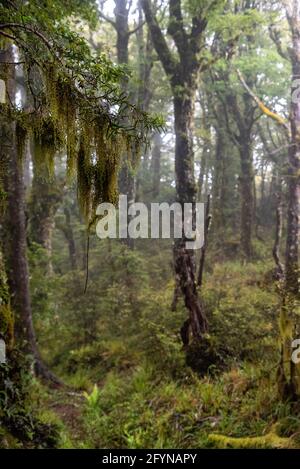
x: 279, y: 272
x: 186, y: 193
x: 247, y: 197
x: 155, y: 163
x: 217, y: 184
x: 127, y: 183
x: 183, y: 74
x: 293, y: 221
x: 15, y: 237
x: 67, y: 230
x: 203, y: 249
x: 288, y: 374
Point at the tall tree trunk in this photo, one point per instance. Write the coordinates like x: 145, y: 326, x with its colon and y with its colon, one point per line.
x: 121, y: 21
x: 127, y: 182
x: 293, y: 222
x: 247, y: 196
x: 288, y: 374
x: 155, y: 163
x: 15, y: 236
x: 218, y: 212
x: 67, y: 229
x: 182, y: 72
x: 185, y: 267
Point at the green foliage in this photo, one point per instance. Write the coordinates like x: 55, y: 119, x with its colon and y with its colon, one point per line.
x: 17, y: 414
x: 6, y: 314
x: 78, y: 104
x: 93, y: 397
x: 243, y: 310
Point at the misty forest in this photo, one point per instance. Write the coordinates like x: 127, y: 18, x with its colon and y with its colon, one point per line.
x: 137, y: 341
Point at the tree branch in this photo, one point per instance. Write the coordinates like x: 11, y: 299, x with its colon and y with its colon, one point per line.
x: 261, y: 105
x: 176, y: 28
x: 275, y: 36
x: 139, y: 26
x: 28, y: 29
x: 159, y: 40
x: 108, y: 19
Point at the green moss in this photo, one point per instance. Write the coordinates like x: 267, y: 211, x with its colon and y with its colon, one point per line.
x: 7, y: 325
x: 269, y: 440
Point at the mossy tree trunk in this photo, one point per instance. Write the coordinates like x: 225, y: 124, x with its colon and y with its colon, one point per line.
x: 67, y: 229
x: 127, y: 182
x: 289, y: 372
x: 182, y: 72
x: 247, y: 194
x: 15, y: 242
x: 293, y: 222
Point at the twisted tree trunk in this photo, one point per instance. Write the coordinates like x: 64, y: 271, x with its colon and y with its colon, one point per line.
x: 182, y: 72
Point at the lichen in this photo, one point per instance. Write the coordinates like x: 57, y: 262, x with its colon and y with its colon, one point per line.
x: 269, y: 440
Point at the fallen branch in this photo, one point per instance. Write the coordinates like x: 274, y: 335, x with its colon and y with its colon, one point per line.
x: 269, y: 440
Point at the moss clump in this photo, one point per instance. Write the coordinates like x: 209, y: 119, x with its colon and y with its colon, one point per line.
x: 48, y: 140
x: 269, y: 440
x: 7, y: 325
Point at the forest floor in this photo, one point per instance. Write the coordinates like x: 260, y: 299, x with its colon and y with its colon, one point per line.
x: 133, y: 388
x: 129, y: 383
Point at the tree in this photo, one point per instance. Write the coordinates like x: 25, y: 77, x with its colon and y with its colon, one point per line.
x: 73, y: 110
x: 182, y: 71
x: 288, y: 372
x: 127, y: 180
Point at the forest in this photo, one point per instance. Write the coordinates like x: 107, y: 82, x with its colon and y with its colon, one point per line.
x: 121, y: 333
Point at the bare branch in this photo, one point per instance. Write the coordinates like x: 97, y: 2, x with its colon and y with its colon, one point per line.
x: 261, y: 105
x: 139, y: 26
x: 108, y: 19
x: 159, y: 41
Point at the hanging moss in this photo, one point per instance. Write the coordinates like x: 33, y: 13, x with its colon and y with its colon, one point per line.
x: 48, y: 140
x: 84, y: 180
x: 71, y: 119
x: 67, y: 114
x: 108, y: 151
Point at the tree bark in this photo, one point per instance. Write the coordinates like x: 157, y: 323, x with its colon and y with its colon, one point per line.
x: 183, y: 74
x: 127, y: 183
x: 247, y: 196
x: 155, y: 163
x: 15, y: 236
x: 293, y: 221
x: 67, y: 230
